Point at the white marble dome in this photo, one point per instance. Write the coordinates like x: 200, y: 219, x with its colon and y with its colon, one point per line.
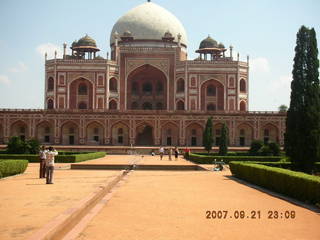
x: 149, y: 21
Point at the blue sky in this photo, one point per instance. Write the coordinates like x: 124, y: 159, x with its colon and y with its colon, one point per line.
x: 265, y: 30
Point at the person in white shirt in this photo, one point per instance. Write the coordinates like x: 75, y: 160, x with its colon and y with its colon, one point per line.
x: 42, y: 157
x: 161, y: 152
x: 50, y: 164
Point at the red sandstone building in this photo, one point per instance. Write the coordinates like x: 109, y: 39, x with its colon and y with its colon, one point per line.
x: 147, y: 93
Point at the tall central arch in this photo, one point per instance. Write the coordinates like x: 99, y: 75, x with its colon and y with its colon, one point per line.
x: 147, y: 89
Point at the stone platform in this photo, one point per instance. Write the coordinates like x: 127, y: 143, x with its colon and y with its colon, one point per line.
x: 138, y: 162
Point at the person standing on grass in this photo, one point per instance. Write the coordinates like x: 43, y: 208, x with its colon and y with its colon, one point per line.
x: 176, y: 153
x: 161, y: 152
x: 50, y: 164
x: 42, y: 157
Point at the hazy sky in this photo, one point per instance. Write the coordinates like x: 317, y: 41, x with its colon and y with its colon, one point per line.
x: 264, y: 29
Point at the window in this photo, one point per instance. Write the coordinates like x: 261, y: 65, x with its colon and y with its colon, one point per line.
x: 147, y: 106
x: 211, y: 90
x: 22, y: 129
x: 194, y: 132
x: 169, y: 142
x: 242, y: 132
x: 193, y: 141
x: 180, y: 86
x: 120, y: 131
x: 50, y: 104
x: 120, y: 139
x: 96, y: 138
x: 113, y: 105
x: 96, y: 130
x: 147, y: 88
x: 243, y: 85
x: 180, y: 105
x: 47, y: 139
x: 218, y: 132
x: 47, y: 130
x: 82, y: 89
x: 134, y: 105
x: 242, y: 141
x: 113, y: 85
x: 169, y: 131
x: 135, y: 88
x: 50, y: 84
x: 266, y: 132
x: 71, y: 130
x: 159, y: 88
x: 82, y: 105
x: 211, y: 107
x: 159, y: 106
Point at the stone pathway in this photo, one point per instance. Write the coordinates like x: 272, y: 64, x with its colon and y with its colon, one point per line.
x: 157, y: 205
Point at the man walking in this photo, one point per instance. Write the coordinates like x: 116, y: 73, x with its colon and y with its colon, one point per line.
x: 161, y: 152
x: 50, y: 164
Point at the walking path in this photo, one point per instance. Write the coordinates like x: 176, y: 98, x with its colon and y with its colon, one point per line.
x: 153, y: 205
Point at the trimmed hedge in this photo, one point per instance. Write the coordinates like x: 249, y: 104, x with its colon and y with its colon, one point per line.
x: 202, y: 159
x: 11, y: 167
x: 298, y: 185
x: 72, y: 158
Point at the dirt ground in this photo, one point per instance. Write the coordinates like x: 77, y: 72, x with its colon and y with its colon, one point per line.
x: 157, y: 205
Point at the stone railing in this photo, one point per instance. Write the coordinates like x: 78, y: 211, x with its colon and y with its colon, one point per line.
x: 147, y: 112
x: 68, y: 61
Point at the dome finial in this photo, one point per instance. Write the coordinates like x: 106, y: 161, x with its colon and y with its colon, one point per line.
x: 149, y: 0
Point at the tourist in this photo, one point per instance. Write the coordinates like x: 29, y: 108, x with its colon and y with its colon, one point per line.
x: 50, y: 164
x: 161, y: 152
x: 152, y: 153
x: 170, y: 153
x: 42, y: 158
x: 176, y: 153
x: 186, y: 152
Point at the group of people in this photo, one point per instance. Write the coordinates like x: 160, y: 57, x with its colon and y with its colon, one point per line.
x: 47, y: 163
x: 170, y: 152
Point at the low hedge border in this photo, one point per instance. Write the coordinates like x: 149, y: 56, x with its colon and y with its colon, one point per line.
x: 9, y: 167
x: 298, y: 185
x: 203, y: 159
x: 72, y: 158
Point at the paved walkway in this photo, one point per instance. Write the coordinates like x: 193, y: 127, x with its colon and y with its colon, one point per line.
x: 27, y: 203
x: 155, y: 205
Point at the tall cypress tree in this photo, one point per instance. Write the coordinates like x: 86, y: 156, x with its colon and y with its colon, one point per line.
x: 302, y: 137
x: 224, y: 140
x: 207, y: 140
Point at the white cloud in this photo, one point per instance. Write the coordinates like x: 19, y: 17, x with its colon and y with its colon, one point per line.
x: 4, y: 80
x: 259, y: 65
x: 20, y: 68
x: 49, y: 48
x: 282, y: 83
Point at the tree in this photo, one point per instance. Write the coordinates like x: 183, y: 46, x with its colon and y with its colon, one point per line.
x: 224, y: 140
x: 208, y: 135
x: 283, y: 108
x: 302, y: 137
x: 256, y: 145
x: 15, y: 145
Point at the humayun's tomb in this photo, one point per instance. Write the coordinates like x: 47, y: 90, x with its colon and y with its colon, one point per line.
x: 146, y: 93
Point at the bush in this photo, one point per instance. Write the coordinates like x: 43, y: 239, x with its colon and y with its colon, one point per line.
x: 256, y: 145
x: 12, y: 167
x: 298, y: 185
x: 18, y: 146
x: 275, y: 148
x: 209, y: 159
x: 265, y: 151
x: 71, y: 158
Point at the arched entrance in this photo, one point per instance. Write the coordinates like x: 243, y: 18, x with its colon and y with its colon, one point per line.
x: 144, y: 135
x: 146, y: 88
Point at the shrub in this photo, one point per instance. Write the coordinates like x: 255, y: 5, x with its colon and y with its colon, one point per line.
x: 265, y: 151
x: 256, y: 145
x: 209, y: 159
x: 71, y: 158
x: 12, y: 167
x: 18, y: 146
x: 275, y: 148
x: 298, y: 185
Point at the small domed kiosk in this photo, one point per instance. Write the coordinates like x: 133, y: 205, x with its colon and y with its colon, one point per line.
x: 210, y: 47
x: 84, y: 48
